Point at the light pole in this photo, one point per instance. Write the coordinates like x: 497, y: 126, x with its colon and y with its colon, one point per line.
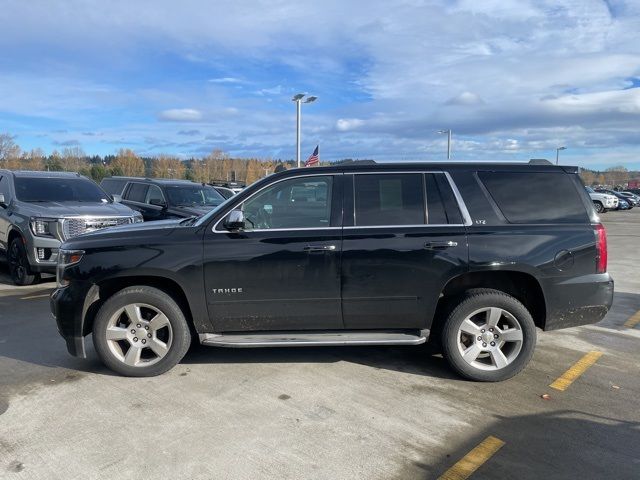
x: 448, y: 132
x: 298, y: 98
x: 558, y: 153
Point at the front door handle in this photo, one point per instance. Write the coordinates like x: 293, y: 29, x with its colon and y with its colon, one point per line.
x: 440, y: 245
x: 319, y: 248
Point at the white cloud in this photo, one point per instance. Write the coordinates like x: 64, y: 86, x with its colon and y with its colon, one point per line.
x: 345, y: 124
x: 465, y: 98
x: 180, y: 115
x: 225, y: 80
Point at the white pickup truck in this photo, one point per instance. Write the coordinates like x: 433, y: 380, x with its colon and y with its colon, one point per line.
x: 602, y: 201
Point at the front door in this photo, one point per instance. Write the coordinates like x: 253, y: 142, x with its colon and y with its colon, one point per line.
x: 397, y: 253
x: 282, y: 272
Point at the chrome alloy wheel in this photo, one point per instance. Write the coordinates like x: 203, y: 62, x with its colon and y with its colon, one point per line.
x: 139, y: 335
x: 490, y: 338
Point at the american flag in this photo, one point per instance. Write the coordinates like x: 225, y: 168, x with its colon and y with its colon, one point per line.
x: 314, y: 159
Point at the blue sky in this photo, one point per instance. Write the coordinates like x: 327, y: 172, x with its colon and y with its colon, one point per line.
x: 513, y: 79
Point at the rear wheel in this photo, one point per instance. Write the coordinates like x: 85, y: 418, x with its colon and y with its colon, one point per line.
x: 19, y: 264
x: 141, y: 332
x: 489, y: 336
x: 599, y: 207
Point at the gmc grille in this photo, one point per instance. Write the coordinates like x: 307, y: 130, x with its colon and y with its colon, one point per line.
x: 72, y: 227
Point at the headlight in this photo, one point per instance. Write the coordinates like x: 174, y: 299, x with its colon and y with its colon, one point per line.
x: 66, y: 258
x: 43, y: 227
x: 137, y: 217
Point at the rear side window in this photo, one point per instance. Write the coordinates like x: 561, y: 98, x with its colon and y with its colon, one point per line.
x: 535, y: 197
x: 137, y: 192
x: 113, y: 186
x: 389, y: 199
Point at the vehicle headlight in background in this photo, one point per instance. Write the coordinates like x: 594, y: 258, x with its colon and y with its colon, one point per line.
x: 137, y: 217
x: 43, y: 227
x: 66, y: 258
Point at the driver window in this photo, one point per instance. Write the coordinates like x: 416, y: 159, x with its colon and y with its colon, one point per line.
x: 303, y: 202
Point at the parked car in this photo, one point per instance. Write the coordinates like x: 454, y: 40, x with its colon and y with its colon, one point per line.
x: 39, y: 210
x: 224, y: 191
x: 635, y: 199
x: 623, y: 203
x: 602, y: 202
x: 162, y: 199
x: 348, y: 255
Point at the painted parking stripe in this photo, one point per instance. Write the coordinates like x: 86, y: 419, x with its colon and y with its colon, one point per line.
x: 473, y: 460
x: 578, y: 368
x: 633, y: 320
x: 35, y: 296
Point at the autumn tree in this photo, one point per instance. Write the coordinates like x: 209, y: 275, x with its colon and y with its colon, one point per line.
x: 73, y: 159
x: 33, y: 159
x: 128, y: 163
x: 166, y: 166
x: 9, y: 152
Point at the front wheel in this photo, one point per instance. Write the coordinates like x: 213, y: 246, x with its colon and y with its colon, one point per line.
x: 599, y: 207
x: 489, y: 337
x: 141, y: 332
x: 19, y: 264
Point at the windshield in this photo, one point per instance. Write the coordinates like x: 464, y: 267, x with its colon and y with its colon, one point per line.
x: 69, y: 189
x: 193, y: 195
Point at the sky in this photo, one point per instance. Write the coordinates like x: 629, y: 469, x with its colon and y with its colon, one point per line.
x: 512, y: 79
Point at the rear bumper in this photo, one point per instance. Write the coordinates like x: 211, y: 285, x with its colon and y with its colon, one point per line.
x: 69, y: 306
x: 578, y: 301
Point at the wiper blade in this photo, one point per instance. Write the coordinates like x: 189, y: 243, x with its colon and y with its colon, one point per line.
x: 188, y: 220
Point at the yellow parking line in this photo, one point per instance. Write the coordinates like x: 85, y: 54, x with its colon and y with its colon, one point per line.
x: 35, y: 296
x: 578, y: 368
x: 633, y: 321
x: 473, y: 460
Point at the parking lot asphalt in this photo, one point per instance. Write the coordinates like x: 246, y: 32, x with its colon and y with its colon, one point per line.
x: 334, y: 413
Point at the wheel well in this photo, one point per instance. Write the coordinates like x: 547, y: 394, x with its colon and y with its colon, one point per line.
x: 519, y: 285
x: 110, y: 287
x: 13, y: 234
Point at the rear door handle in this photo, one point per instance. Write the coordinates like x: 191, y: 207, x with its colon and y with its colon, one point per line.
x: 319, y: 248
x: 440, y: 245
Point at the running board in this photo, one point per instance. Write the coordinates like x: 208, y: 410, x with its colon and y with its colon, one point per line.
x: 310, y: 339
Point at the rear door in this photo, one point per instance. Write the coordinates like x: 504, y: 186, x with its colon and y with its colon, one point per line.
x: 404, y: 238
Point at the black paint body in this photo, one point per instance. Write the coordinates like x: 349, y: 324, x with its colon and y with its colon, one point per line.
x: 377, y: 278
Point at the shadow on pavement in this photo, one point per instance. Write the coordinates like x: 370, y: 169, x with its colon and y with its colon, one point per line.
x: 559, y: 444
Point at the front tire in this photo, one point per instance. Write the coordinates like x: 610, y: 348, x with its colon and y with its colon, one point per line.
x: 141, y: 332
x: 489, y: 336
x: 599, y: 207
x: 19, y: 268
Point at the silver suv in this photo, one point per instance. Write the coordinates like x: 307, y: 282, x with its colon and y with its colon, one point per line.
x: 40, y: 210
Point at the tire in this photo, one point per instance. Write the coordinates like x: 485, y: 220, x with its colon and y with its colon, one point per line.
x: 484, y: 313
x: 19, y: 268
x: 599, y: 207
x: 141, y: 332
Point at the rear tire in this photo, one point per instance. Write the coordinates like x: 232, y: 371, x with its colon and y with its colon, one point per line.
x: 141, y: 332
x: 599, y: 207
x: 489, y: 336
x: 19, y: 268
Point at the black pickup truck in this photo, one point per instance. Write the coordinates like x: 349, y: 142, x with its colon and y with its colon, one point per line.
x: 474, y: 257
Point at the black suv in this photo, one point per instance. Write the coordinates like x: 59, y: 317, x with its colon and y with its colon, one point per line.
x: 160, y: 199
x: 472, y: 256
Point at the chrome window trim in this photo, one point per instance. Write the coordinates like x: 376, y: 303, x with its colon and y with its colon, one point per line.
x: 213, y: 229
x: 456, y: 193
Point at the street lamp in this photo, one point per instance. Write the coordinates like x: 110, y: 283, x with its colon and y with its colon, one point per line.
x: 299, y: 99
x: 558, y: 153
x: 448, y: 132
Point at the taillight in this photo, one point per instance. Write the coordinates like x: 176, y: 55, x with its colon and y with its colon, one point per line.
x: 601, y: 248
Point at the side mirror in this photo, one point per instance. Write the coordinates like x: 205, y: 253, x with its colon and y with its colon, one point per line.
x: 157, y: 202
x: 3, y: 203
x: 116, y: 198
x: 235, y: 221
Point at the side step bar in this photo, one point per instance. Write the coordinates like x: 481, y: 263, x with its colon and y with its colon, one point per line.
x: 309, y: 339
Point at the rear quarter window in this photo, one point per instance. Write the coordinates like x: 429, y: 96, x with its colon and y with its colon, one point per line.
x: 534, y: 197
x: 113, y: 186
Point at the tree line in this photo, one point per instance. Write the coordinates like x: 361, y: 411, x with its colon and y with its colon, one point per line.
x: 217, y: 166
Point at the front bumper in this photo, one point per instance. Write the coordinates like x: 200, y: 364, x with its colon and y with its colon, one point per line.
x: 69, y: 306
x: 49, y: 247
x: 578, y: 301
